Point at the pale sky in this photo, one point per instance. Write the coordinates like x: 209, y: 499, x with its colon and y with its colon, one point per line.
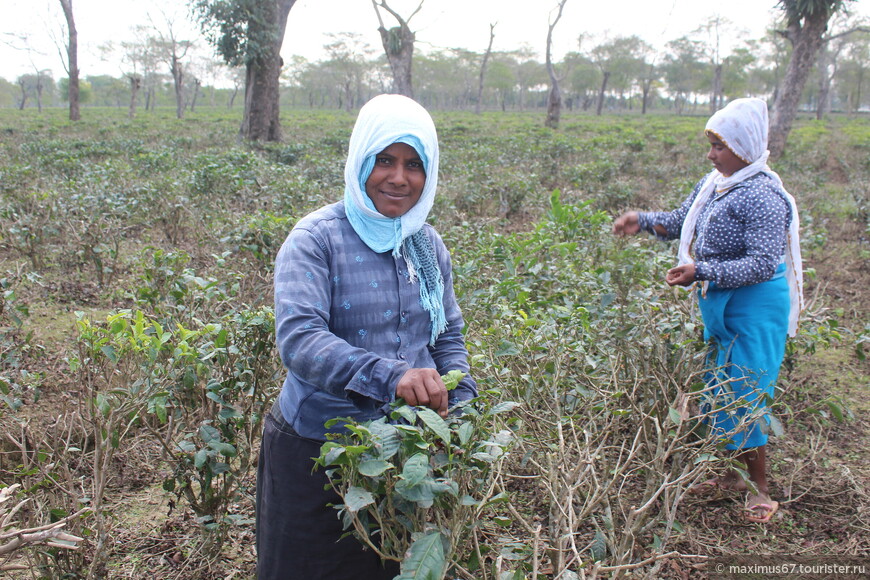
x: 439, y: 24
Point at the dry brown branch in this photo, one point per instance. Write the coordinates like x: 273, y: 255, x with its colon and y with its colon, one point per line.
x: 650, y: 560
x: 53, y: 535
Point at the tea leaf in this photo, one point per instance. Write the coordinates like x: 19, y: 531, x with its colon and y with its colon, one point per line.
x: 425, y: 559
x: 357, y: 498
x: 451, y: 379
x: 374, y: 467
x: 436, y: 423
x: 415, y: 469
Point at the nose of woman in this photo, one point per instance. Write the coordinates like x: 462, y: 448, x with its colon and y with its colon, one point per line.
x: 397, y: 176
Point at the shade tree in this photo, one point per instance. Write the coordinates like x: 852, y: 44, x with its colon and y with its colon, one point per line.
x: 348, y: 66
x: 483, y: 63
x: 398, y: 42
x: 622, y: 63
x: 139, y: 63
x: 684, y: 68
x: 528, y: 71
x: 649, y: 72
x: 104, y: 91
x: 71, y: 63
x: 310, y: 82
x: 171, y: 49
x: 8, y: 93
x: 737, y: 73
x: 826, y: 69
x: 710, y: 33
x: 554, y: 95
x: 844, y: 29
x: 250, y: 33
x: 806, y: 22
x: 582, y: 80
x: 35, y: 85
x: 853, y: 74
x: 236, y: 78
x: 446, y: 78
x: 502, y: 81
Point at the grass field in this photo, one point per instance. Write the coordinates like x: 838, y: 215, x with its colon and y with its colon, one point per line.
x: 136, y: 357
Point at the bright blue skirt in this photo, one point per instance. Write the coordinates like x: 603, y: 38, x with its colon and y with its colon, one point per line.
x: 747, y: 329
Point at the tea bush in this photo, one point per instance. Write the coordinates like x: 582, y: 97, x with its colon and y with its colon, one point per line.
x: 171, y: 227
x: 414, y: 485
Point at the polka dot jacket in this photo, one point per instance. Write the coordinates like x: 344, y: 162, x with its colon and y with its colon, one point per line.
x: 740, y: 236
x: 349, y: 323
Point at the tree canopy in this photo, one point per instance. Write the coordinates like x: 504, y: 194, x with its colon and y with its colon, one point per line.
x: 237, y: 29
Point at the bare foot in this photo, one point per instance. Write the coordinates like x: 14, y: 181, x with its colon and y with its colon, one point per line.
x: 732, y: 482
x: 728, y: 482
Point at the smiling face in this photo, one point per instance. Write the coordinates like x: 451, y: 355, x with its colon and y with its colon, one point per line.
x: 396, y: 181
x: 724, y: 160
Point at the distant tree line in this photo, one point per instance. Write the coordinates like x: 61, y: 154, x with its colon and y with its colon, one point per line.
x: 623, y: 73
x: 618, y: 74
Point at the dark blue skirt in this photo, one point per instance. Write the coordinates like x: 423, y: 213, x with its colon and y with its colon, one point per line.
x: 298, y: 533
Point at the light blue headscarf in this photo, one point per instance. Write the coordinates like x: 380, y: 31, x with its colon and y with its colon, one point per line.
x: 384, y: 120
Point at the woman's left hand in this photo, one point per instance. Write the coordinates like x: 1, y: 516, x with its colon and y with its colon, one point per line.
x: 681, y: 275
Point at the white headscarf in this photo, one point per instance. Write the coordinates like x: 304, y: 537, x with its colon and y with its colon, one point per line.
x: 742, y: 126
x: 384, y: 120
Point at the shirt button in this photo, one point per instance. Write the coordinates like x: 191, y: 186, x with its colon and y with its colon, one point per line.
x: 402, y: 356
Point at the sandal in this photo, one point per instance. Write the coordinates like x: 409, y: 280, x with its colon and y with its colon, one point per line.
x: 760, y: 512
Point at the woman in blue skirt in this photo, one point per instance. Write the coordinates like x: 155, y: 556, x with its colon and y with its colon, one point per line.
x: 739, y: 242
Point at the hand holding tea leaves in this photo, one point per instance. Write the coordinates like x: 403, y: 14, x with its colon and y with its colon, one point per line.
x: 413, y: 483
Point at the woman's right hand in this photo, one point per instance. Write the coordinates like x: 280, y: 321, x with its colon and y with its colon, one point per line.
x: 423, y: 388
x: 626, y: 224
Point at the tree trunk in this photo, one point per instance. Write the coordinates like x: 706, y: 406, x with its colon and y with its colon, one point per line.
x: 399, y: 47
x: 601, y: 92
x: 806, y: 41
x: 483, y: 69
x: 716, y: 90
x: 23, y: 86
x: 135, y: 85
x: 197, y: 84
x: 39, y: 92
x: 679, y: 104
x: 261, y: 120
x: 825, y: 77
x: 554, y: 98
x: 72, y: 50
x: 177, y: 71
x: 647, y: 86
x: 554, y: 106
